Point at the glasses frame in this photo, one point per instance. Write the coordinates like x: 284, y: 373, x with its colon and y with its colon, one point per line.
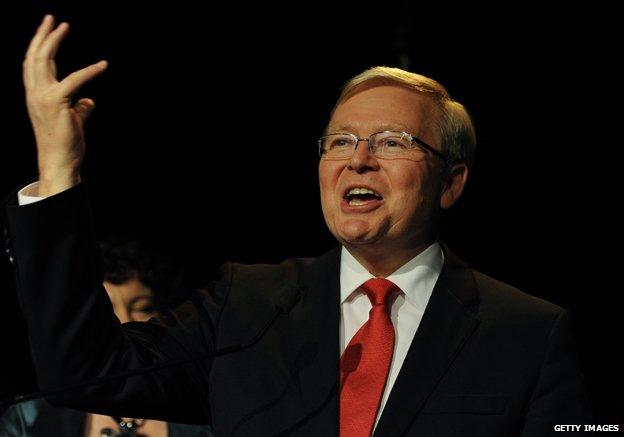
x: 413, y: 139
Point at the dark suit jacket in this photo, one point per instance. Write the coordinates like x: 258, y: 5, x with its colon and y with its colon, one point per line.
x: 487, y: 359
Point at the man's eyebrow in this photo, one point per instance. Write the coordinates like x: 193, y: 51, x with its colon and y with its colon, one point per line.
x: 340, y: 128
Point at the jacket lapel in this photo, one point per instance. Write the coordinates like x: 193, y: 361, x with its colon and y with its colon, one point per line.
x: 315, y: 347
x: 448, y: 321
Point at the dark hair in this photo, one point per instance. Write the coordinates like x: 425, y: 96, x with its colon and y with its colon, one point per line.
x: 124, y: 259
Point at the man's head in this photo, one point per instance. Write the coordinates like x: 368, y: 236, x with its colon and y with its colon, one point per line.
x: 410, y: 185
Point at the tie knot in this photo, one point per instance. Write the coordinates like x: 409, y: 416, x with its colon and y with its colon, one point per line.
x: 379, y: 290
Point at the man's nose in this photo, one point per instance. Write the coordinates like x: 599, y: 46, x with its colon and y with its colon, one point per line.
x: 363, y: 159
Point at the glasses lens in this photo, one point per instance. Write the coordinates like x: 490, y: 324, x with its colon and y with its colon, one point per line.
x: 391, y: 143
x: 338, y: 145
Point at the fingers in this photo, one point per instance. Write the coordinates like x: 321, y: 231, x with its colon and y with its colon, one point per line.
x: 42, y: 31
x: 39, y: 66
x: 46, y: 41
x: 77, y: 79
x: 39, y: 62
x: 83, y: 108
x: 48, y: 48
x: 44, y: 67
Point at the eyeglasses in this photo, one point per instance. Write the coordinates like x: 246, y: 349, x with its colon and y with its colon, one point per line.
x: 385, y: 144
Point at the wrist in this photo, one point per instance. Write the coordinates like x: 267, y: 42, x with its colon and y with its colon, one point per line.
x: 50, y: 185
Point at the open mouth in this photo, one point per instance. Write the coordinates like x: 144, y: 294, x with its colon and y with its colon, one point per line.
x: 361, y: 196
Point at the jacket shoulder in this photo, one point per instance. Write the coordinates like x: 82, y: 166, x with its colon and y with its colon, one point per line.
x: 503, y: 301
x: 288, y: 271
x: 252, y: 292
x: 263, y: 282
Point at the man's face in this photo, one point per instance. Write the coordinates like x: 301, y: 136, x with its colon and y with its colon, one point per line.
x: 409, y: 186
x: 132, y: 301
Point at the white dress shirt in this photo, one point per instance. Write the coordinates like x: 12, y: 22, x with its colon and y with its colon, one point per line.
x: 416, y: 280
x: 24, y: 196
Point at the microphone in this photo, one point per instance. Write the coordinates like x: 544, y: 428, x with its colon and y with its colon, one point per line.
x: 285, y: 303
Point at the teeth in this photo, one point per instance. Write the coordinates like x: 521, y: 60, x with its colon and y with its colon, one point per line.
x: 356, y: 202
x: 362, y: 191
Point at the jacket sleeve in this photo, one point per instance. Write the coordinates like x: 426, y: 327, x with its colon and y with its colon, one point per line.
x: 559, y: 396
x: 74, y: 335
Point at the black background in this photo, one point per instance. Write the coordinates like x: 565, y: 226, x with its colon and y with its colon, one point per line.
x: 540, y: 209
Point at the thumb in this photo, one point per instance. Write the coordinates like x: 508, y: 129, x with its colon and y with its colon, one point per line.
x: 83, y: 108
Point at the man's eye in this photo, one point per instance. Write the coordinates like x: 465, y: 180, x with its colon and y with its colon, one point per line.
x: 395, y: 144
x: 340, y: 142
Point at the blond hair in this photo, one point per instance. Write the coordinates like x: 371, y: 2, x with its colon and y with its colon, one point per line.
x: 454, y: 126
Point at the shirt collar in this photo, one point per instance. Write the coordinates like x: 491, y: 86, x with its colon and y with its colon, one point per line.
x: 416, y: 278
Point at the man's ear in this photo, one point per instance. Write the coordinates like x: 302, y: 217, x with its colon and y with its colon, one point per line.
x: 454, y: 184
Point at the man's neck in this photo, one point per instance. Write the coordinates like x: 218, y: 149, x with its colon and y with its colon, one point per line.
x: 382, y: 262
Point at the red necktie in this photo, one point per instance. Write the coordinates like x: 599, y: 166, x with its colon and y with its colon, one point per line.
x: 365, y: 363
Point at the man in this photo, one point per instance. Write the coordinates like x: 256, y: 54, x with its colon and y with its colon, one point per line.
x: 389, y: 333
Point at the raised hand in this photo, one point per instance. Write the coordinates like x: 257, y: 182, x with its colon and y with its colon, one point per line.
x: 57, y: 123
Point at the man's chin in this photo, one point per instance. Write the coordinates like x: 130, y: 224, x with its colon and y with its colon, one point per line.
x: 358, y: 231
x: 358, y: 239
